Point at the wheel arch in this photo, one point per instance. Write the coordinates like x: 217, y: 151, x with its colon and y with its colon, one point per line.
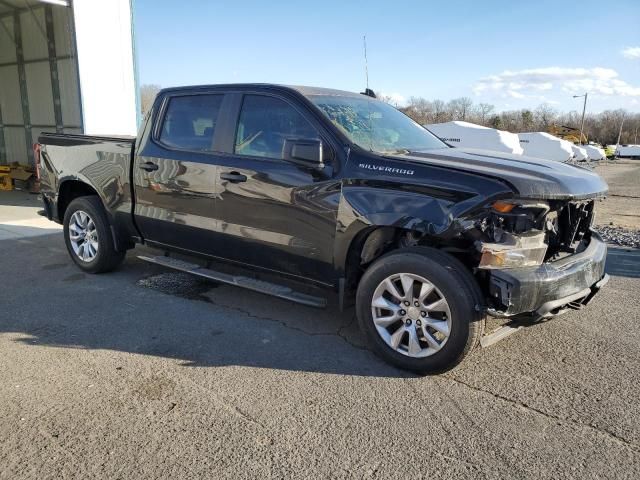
x: 69, y: 190
x: 375, y: 241
x: 73, y: 188
x: 371, y: 243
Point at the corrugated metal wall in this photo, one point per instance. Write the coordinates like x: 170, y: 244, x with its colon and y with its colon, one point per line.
x: 39, y: 88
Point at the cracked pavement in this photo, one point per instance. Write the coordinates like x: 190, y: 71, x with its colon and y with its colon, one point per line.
x: 146, y: 373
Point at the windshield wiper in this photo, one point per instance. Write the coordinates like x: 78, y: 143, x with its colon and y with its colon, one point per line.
x: 399, y: 151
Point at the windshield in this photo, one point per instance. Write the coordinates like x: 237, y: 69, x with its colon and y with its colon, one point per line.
x: 375, y: 125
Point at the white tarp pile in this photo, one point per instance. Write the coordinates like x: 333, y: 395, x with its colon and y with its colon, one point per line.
x: 595, y: 153
x: 579, y: 153
x: 628, y: 151
x: 544, y: 145
x: 470, y: 135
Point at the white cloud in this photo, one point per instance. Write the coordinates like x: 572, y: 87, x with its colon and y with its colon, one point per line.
x: 393, y: 98
x: 632, y: 53
x: 531, y: 82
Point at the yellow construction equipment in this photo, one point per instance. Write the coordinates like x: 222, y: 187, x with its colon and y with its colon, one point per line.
x: 567, y: 133
x: 5, y: 178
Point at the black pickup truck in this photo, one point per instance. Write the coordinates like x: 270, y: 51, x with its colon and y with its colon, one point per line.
x: 310, y: 186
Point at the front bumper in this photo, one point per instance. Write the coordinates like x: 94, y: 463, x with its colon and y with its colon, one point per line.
x: 550, y: 288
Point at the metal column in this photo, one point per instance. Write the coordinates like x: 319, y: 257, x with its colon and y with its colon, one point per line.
x: 3, y: 151
x: 22, y: 79
x: 53, y: 68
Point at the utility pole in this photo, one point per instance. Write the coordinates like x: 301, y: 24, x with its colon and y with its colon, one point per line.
x: 584, y: 109
x: 619, y: 133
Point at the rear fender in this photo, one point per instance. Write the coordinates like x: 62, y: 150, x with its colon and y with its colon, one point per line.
x: 117, y: 232
x: 66, y: 182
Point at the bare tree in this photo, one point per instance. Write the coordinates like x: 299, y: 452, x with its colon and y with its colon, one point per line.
x: 440, y: 112
x: 391, y: 100
x: 420, y: 110
x: 510, y: 120
x: 148, y: 94
x: 459, y: 108
x: 545, y: 115
x: 600, y: 128
x: 484, y: 111
x: 465, y: 107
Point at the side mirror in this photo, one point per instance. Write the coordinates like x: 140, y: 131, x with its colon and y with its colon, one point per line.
x: 304, y: 151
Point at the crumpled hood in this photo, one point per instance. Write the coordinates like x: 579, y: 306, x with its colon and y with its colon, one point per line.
x: 530, y: 177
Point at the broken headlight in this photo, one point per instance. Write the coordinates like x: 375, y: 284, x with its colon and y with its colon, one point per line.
x: 526, y: 249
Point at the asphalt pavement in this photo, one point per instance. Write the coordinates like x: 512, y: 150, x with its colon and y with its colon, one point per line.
x: 147, y: 373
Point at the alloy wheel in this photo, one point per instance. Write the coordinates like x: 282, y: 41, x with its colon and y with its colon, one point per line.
x: 83, y: 236
x: 411, y: 315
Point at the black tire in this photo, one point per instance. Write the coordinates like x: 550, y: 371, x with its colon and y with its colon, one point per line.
x: 455, y: 283
x: 106, y: 258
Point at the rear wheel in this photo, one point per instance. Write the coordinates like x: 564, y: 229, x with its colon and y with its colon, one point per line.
x: 88, y: 236
x: 419, y: 309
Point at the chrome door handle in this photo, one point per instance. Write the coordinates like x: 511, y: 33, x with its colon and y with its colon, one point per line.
x: 149, y: 166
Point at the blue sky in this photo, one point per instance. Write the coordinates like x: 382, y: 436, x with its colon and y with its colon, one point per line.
x: 512, y: 54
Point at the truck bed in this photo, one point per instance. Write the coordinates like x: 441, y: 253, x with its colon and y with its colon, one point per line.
x: 69, y: 139
x: 101, y: 163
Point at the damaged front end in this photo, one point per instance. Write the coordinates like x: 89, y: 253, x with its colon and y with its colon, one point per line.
x: 538, y: 259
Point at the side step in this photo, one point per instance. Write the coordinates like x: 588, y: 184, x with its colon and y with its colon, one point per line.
x: 499, y: 334
x: 261, y: 286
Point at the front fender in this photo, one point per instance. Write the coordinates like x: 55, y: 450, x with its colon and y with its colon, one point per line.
x: 436, y: 212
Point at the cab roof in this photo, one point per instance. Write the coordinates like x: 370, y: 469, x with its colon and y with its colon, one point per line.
x: 304, y: 90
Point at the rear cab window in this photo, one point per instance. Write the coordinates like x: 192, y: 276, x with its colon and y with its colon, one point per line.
x: 266, y: 123
x: 190, y: 122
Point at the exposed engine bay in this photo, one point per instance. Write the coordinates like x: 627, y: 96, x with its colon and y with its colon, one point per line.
x: 522, y: 233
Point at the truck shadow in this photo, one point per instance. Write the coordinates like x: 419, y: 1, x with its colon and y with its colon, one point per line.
x: 144, y: 309
x: 623, y: 262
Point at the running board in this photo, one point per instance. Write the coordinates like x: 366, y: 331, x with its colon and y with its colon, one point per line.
x: 500, y: 334
x: 261, y: 286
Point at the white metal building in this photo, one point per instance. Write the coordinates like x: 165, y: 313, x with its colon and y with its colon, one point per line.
x: 65, y: 66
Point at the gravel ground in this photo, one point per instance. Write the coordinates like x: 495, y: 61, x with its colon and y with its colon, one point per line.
x: 621, y: 236
x: 622, y: 206
x: 618, y: 216
x: 148, y: 373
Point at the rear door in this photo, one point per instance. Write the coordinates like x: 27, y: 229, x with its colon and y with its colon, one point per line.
x: 175, y: 172
x: 273, y: 213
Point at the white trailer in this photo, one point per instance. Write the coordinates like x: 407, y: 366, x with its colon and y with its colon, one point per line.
x: 595, y: 153
x: 544, y: 145
x: 628, y: 151
x: 580, y: 153
x: 470, y: 135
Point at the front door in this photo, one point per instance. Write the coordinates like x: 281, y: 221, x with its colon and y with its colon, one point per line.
x: 175, y: 174
x: 273, y: 213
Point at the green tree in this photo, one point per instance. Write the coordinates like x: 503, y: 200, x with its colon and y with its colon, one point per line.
x: 526, y: 116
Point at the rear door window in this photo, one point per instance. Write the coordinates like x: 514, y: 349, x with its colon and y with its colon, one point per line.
x: 264, y: 125
x: 190, y: 122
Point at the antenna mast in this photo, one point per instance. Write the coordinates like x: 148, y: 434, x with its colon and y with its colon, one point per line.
x: 367, y: 91
x: 366, y: 66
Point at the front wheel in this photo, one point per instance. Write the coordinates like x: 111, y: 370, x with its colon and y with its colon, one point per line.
x: 419, y: 309
x: 88, y: 236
